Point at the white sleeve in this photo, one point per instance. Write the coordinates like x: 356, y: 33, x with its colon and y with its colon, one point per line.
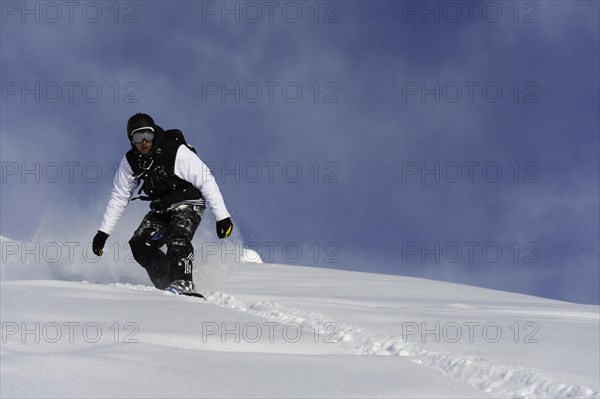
x: 124, y: 185
x: 190, y: 167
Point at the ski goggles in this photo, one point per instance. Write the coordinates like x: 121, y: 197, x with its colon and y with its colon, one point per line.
x: 147, y: 134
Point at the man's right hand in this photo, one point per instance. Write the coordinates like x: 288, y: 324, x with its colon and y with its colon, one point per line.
x: 98, y: 243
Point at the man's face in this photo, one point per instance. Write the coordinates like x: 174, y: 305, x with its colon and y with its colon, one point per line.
x: 144, y: 147
x: 142, y: 139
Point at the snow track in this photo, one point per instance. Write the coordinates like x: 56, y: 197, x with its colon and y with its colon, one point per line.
x: 478, y: 372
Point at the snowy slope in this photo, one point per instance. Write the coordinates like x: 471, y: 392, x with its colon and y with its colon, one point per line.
x: 290, y: 331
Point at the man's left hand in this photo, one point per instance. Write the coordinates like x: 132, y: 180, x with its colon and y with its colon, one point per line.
x: 224, y: 228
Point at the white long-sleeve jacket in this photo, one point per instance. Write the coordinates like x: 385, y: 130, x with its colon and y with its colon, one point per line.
x: 188, y: 166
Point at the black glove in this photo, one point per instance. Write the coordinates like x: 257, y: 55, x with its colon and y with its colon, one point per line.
x: 98, y: 243
x: 224, y: 228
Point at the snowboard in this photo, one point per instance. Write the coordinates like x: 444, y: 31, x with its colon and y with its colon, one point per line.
x: 192, y: 294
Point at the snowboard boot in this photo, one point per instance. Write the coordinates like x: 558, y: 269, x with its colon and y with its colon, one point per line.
x: 181, y: 287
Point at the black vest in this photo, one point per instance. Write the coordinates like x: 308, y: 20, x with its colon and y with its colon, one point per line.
x: 157, y: 170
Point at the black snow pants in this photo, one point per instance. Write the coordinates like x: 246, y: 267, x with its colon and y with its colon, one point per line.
x: 175, y: 228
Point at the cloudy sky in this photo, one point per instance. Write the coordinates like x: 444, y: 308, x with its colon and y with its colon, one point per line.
x: 448, y: 140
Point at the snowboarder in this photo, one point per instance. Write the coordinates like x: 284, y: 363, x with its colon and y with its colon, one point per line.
x: 178, y: 184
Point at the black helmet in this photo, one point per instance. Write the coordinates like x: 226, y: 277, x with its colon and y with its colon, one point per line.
x: 140, y: 121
